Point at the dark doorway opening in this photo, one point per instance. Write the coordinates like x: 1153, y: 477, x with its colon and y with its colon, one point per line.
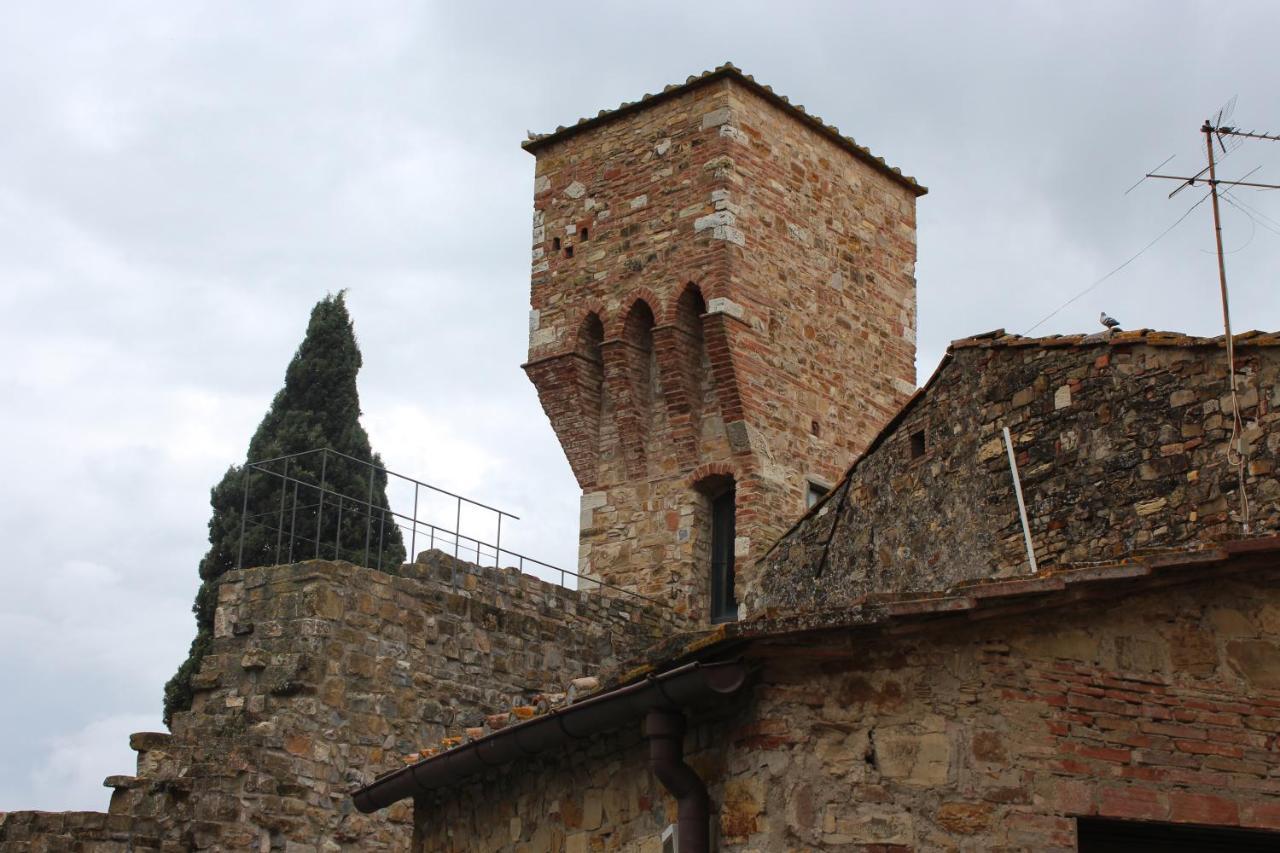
x: 1132, y: 836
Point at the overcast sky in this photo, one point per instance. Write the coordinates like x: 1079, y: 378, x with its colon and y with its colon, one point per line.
x: 180, y: 182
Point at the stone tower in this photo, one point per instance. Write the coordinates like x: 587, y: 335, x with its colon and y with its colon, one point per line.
x: 723, y: 316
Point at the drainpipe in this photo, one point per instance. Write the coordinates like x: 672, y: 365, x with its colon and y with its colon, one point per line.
x: 665, y: 730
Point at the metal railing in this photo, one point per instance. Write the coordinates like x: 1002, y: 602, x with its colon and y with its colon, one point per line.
x: 309, y: 517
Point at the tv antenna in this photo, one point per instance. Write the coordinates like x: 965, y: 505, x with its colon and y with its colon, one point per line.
x: 1228, y: 138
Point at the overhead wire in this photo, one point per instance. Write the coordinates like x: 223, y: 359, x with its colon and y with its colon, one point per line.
x: 1139, y: 254
x: 1253, y: 230
x: 1257, y: 216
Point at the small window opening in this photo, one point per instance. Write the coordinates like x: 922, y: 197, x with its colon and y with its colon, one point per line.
x: 555, y: 244
x: 814, y: 428
x: 917, y: 444
x: 724, y: 606
x: 568, y: 251
x: 814, y: 493
x: 583, y: 234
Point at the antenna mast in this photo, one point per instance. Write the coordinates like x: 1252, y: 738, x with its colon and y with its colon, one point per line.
x: 1212, y: 129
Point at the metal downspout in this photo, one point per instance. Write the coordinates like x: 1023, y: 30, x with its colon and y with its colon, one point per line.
x: 665, y: 730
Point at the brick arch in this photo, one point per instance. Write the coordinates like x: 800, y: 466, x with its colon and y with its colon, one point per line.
x: 615, y: 326
x: 674, y: 312
x: 707, y: 470
x: 713, y: 289
x: 630, y: 376
x: 592, y: 306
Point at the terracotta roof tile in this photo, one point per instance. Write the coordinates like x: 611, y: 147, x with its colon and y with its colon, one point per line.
x: 1130, y: 337
x: 537, y: 141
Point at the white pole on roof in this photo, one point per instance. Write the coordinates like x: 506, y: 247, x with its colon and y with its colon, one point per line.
x: 1022, y: 507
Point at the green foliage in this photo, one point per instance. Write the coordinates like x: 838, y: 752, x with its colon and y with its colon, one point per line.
x: 318, y: 407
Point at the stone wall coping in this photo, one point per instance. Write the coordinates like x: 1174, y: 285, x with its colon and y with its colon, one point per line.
x: 491, y: 581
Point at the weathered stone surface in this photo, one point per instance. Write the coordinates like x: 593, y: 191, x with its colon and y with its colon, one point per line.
x: 1104, y: 476
x: 996, y: 736
x: 1257, y: 661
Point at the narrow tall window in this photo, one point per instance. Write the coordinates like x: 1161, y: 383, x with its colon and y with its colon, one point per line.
x: 814, y: 493
x: 724, y: 607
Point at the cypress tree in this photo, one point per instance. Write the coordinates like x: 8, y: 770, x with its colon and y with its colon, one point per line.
x: 318, y: 407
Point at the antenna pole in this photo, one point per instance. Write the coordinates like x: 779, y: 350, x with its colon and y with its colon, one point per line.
x: 1217, y: 233
x: 1235, y: 448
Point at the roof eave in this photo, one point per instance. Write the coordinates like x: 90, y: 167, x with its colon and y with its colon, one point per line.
x: 729, y: 71
x: 693, y: 683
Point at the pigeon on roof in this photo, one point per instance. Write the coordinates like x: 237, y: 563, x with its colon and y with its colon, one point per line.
x: 1109, y: 322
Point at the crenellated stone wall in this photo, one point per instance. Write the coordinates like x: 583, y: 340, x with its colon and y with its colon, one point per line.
x: 1120, y: 443
x: 320, y: 675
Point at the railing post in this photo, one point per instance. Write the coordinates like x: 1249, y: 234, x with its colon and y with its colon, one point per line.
x: 293, y: 520
x: 413, y: 535
x: 457, y: 530
x: 324, y: 470
x: 284, y: 490
x: 368, y: 521
x: 382, y: 524
x: 244, y: 516
x: 497, y: 548
x: 337, y: 535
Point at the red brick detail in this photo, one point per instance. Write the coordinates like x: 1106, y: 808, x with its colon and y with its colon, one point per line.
x: 711, y: 469
x: 571, y: 391
x: 1186, y: 807
x: 587, y: 309
x: 1133, y: 802
x: 616, y: 327
x: 681, y: 348
x: 1262, y: 815
x: 630, y: 376
x: 721, y: 337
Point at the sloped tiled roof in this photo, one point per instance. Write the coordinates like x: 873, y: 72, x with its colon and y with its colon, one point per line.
x: 728, y: 70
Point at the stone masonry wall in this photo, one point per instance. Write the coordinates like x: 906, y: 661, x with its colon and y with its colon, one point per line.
x: 1120, y: 447
x: 718, y: 290
x: 323, y: 673
x: 987, y: 735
